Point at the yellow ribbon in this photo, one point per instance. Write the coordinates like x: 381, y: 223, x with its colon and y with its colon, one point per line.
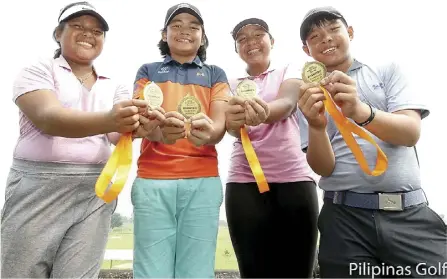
x: 253, y: 161
x: 346, y: 129
x: 119, y: 163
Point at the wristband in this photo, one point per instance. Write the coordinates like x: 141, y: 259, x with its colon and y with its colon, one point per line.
x: 370, y: 118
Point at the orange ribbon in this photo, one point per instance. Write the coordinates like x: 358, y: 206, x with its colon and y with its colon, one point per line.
x: 346, y: 129
x: 253, y: 161
x: 118, y: 165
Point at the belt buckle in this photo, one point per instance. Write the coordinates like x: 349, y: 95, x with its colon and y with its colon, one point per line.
x: 337, y: 198
x: 390, y: 202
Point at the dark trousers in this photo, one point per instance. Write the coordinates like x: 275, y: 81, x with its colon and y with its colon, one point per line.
x: 274, y: 234
x: 363, y: 243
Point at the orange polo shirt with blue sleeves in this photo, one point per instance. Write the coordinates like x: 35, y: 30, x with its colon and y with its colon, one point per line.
x: 208, y: 83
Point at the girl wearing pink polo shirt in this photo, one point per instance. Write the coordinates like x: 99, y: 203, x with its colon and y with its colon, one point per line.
x: 53, y: 225
x: 274, y: 234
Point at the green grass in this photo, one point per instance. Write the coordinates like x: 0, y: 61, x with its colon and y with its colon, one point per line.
x: 116, y: 265
x: 122, y: 238
x: 120, y: 241
x: 225, y: 257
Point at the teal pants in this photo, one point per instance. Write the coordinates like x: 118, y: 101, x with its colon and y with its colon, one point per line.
x: 175, y: 227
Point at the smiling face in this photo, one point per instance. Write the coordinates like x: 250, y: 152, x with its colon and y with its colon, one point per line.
x: 184, y: 35
x: 253, y: 45
x: 328, y: 42
x: 81, y: 39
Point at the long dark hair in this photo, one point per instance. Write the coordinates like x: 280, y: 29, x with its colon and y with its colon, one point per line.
x: 201, y: 52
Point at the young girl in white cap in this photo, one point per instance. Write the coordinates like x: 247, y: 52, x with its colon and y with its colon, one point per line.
x: 274, y: 233
x: 53, y: 225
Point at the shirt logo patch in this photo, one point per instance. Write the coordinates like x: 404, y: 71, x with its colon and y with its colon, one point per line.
x: 164, y: 70
x: 377, y: 86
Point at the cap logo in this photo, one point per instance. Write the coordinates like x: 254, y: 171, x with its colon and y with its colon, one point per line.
x: 183, y: 5
x: 73, y: 10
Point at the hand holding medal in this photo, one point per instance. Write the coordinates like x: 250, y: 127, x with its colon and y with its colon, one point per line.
x: 120, y: 161
x: 256, y: 109
x: 201, y: 129
x: 198, y: 126
x: 188, y: 107
x: 154, y: 116
x: 314, y: 72
x: 247, y: 89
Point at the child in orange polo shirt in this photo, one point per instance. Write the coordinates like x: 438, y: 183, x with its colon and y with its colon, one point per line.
x: 178, y: 193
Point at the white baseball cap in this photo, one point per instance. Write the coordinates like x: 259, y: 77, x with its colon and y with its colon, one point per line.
x: 81, y: 8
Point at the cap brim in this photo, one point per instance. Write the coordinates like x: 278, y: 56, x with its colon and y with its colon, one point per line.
x: 312, y: 16
x: 89, y: 12
x: 184, y: 10
x: 246, y: 22
x: 319, y: 13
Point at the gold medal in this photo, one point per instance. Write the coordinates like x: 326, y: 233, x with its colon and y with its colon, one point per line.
x: 153, y: 94
x: 313, y: 72
x: 188, y: 107
x: 246, y: 89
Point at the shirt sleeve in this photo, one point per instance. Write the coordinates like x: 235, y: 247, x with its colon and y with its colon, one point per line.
x: 292, y: 71
x: 141, y: 78
x: 220, y: 90
x: 304, y: 129
x: 123, y: 92
x: 400, y: 93
x: 37, y: 76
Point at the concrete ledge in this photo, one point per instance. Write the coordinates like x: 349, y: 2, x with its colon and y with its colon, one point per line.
x: 127, y: 274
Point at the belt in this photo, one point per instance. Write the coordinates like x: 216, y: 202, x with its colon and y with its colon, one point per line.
x: 377, y: 201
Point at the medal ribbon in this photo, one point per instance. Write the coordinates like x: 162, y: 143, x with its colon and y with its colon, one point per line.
x: 346, y: 129
x: 119, y: 162
x: 118, y: 165
x: 253, y: 161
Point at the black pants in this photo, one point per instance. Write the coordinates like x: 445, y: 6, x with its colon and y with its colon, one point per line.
x: 361, y: 243
x: 274, y: 234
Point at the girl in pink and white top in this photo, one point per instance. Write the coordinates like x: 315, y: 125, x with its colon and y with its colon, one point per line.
x: 274, y: 234
x: 53, y: 225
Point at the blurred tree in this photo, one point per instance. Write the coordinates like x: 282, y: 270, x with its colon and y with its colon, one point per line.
x: 117, y: 220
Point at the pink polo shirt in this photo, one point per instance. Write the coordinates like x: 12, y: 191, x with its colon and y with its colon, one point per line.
x: 278, y: 145
x: 55, y: 75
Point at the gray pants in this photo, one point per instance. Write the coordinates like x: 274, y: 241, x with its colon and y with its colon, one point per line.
x: 53, y: 225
